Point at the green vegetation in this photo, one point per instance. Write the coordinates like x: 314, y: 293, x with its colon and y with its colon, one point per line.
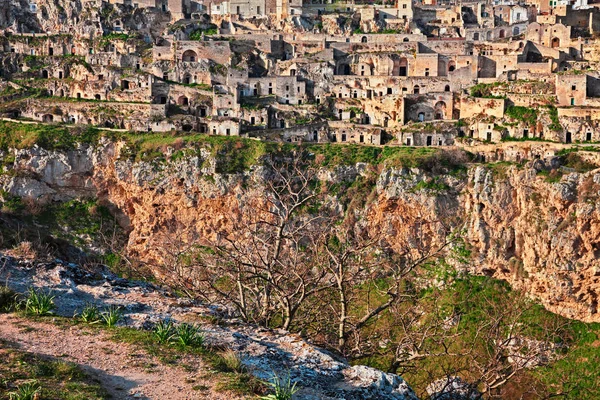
x: 197, y: 34
x: 433, y: 185
x: 26, y: 376
x: 38, y: 303
x: 188, y: 335
x: 111, y: 316
x: 8, y: 299
x: 90, y: 314
x: 106, y: 39
x: 164, y: 332
x: 578, y: 163
x: 523, y: 114
x: 233, y: 154
x: 50, y: 137
x: 553, y: 114
x: 485, y: 90
x: 283, y: 389
x: 473, y: 300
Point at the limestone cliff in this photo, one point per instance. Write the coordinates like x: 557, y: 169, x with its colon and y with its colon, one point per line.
x: 540, y: 233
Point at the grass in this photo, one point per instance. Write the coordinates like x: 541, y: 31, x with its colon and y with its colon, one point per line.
x: 90, y: 314
x: 8, y: 299
x: 38, y: 303
x: 164, y: 332
x: 232, y: 154
x: 23, y: 374
x: 111, y: 316
x: 189, y: 335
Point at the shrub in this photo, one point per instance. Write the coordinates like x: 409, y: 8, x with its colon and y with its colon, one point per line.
x: 39, y: 303
x: 283, y: 389
x: 189, y: 335
x: 111, y: 316
x: 27, y: 391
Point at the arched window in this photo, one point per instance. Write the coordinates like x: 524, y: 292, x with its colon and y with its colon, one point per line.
x: 447, y: 88
x: 364, y: 39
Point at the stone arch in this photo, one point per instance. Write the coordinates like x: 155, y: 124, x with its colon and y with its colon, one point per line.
x: 555, y: 42
x: 364, y: 39
x: 183, y: 101
x: 187, y: 79
x: 416, y: 89
x: 440, y: 110
x: 405, y: 40
x: 189, y: 56
x: 501, y: 34
x: 451, y: 66
x: 47, y: 118
x: 447, y: 88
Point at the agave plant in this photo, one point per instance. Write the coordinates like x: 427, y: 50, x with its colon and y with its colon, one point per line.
x: 283, y: 388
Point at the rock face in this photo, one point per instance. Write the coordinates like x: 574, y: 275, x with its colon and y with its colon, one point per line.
x: 539, y: 235
x: 319, y: 374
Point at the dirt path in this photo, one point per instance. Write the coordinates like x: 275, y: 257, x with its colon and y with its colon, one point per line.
x: 123, y: 370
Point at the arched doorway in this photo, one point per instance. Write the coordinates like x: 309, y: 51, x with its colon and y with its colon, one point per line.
x: 182, y: 101
x: 403, y: 67
x: 189, y: 56
x: 45, y: 74
x: 516, y: 31
x: 440, y: 110
x: 47, y: 118
x: 501, y: 34
x: 364, y: 39
x: 451, y: 66
x: 555, y: 43
x: 416, y: 89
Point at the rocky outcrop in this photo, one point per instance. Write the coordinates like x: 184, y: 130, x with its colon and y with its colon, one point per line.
x: 540, y: 234
x: 319, y: 374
